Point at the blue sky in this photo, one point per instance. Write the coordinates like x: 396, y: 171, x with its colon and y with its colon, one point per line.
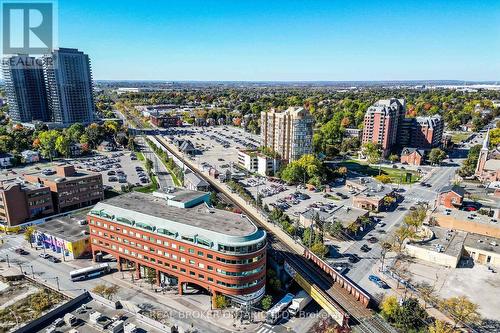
x: 285, y: 40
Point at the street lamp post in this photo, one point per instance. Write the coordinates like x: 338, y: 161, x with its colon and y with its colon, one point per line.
x: 8, y: 262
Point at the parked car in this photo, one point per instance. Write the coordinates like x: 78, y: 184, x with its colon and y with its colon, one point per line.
x: 372, y: 240
x: 353, y: 258
x: 375, y: 279
x: 44, y: 255
x: 21, y: 251
x: 53, y: 259
x: 365, y: 248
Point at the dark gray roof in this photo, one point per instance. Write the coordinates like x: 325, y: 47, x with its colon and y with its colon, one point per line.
x: 410, y: 150
x: 453, y: 188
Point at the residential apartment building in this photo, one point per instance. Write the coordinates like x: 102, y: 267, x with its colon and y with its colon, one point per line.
x: 381, y: 123
x: 288, y: 133
x: 68, y: 78
x: 21, y: 202
x: 219, y: 251
x: 422, y: 132
x: 70, y: 189
x: 25, y: 89
x: 255, y: 161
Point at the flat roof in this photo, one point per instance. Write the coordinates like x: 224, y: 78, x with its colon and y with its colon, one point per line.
x: 451, y: 241
x: 66, y: 227
x: 78, y: 174
x: 181, y: 195
x: 463, y: 215
x: 483, y: 243
x: 141, y: 207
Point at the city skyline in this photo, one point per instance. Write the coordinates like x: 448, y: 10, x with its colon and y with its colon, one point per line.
x: 292, y: 41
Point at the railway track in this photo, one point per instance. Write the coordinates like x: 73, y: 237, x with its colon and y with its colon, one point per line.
x: 365, y: 320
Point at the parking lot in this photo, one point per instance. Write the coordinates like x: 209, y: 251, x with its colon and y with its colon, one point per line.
x: 217, y: 147
x: 296, y: 199
x: 117, y: 168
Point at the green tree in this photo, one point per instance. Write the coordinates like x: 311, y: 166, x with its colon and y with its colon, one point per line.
x: 389, y: 307
x: 48, y: 143
x: 384, y: 179
x: 393, y: 158
x: 149, y: 165
x: 267, y: 302
x: 75, y: 131
x: 221, y: 302
x: 319, y: 249
x: 372, y: 152
x: 441, y: 327
x: 462, y: 310
x: 410, y: 316
x: 29, y: 233
x: 62, y: 145
x: 436, y: 156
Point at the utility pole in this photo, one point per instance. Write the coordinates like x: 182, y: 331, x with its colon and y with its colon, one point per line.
x: 32, y: 272
x: 8, y: 262
x: 57, y: 282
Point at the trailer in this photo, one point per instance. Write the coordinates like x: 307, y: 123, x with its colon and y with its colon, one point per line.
x: 299, y: 302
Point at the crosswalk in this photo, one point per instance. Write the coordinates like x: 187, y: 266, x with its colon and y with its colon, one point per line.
x: 9, y: 245
x: 266, y: 328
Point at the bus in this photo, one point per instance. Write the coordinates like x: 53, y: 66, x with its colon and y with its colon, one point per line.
x: 275, y: 313
x: 89, y: 272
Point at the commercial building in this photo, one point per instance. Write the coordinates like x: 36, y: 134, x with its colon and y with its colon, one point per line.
x: 67, y: 235
x: 70, y: 189
x: 288, y: 133
x: 182, y: 198
x: 6, y: 160
x: 68, y: 78
x: 381, y: 123
x: 21, y: 202
x: 344, y: 214
x: 165, y: 119
x: 25, y: 89
x: 372, y: 196
x: 221, y: 252
x: 447, y: 247
x: 472, y: 222
x: 255, y: 161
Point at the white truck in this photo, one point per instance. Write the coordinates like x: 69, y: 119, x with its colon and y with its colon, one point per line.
x: 299, y: 302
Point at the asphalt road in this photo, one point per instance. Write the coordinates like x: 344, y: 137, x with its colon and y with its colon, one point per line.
x: 164, y: 178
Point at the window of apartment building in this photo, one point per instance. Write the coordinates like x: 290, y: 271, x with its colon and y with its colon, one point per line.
x: 124, y: 231
x: 153, y: 260
x: 139, y: 256
x: 209, y: 256
x: 167, y: 264
x: 166, y: 254
x: 201, y: 265
x: 192, y: 273
x: 145, y: 237
x: 200, y: 253
x: 210, y: 279
x: 165, y: 243
x: 93, y: 231
x: 183, y: 259
x: 210, y: 268
x: 100, y: 233
x: 113, y: 247
x: 160, y: 262
x: 120, y: 249
x: 174, y: 246
x: 94, y: 241
x: 146, y: 258
x: 146, y: 247
x: 183, y: 270
x: 174, y: 267
x: 201, y: 276
x: 132, y: 253
x: 160, y: 252
x: 98, y: 223
x: 191, y: 251
x: 158, y: 241
x: 126, y: 251
x: 111, y: 227
x: 105, y: 225
x: 191, y: 262
x: 182, y: 248
x: 174, y: 256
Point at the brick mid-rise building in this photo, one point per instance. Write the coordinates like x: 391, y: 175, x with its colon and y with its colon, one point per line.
x: 71, y: 188
x: 382, y: 121
x: 221, y: 252
x: 21, y: 202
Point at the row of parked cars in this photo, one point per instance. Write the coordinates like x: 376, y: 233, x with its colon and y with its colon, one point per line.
x: 49, y: 257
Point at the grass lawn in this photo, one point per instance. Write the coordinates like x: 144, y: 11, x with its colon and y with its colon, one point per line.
x: 397, y: 175
x: 149, y: 188
x: 140, y: 156
x: 458, y: 137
